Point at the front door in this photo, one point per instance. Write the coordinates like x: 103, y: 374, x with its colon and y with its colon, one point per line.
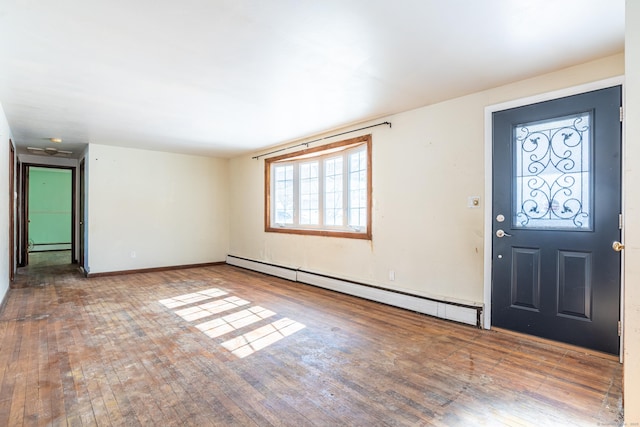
x: 556, y: 214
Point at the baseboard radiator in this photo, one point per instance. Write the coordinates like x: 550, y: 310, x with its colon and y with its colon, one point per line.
x: 463, y: 313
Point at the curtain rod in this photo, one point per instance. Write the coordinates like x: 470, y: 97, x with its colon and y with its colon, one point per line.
x: 319, y: 139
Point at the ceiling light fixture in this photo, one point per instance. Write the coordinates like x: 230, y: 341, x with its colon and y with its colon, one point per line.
x: 56, y: 140
x: 52, y: 151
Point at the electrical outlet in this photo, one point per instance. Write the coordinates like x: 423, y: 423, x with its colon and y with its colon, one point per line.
x: 392, y: 275
x: 133, y: 254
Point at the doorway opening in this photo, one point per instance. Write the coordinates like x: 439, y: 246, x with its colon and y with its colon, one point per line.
x: 48, y: 216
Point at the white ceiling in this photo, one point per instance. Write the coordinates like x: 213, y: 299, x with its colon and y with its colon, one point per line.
x: 221, y: 77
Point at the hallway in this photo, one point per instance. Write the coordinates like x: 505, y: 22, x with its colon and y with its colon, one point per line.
x: 44, y: 267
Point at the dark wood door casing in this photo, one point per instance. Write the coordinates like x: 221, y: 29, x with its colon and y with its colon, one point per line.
x: 24, y: 216
x: 12, y: 212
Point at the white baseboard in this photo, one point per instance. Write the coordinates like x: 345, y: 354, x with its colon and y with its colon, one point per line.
x: 270, y: 269
x: 467, y: 314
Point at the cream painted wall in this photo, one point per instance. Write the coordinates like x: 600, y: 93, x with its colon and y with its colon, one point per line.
x: 425, y: 168
x: 5, y: 135
x: 632, y: 213
x: 170, y: 209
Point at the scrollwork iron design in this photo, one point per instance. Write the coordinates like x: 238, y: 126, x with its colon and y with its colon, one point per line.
x: 552, y: 173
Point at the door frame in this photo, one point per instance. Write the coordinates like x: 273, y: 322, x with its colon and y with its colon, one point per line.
x: 12, y: 211
x: 488, y: 179
x: 81, y: 214
x: 24, y: 217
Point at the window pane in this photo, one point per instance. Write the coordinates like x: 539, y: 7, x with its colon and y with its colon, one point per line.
x: 329, y: 186
x: 283, y: 197
x: 333, y: 191
x: 353, y: 216
x: 552, y: 179
x: 357, y: 189
x: 309, y: 193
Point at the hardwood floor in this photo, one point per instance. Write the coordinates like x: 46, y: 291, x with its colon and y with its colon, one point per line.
x: 225, y: 346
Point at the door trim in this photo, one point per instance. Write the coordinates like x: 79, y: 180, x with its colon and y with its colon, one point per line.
x: 81, y: 214
x: 12, y: 211
x: 488, y: 179
x: 24, y: 167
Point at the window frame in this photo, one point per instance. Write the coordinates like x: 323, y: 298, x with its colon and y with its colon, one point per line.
x: 307, y: 155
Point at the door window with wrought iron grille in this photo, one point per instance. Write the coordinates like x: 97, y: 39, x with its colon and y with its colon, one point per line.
x: 553, y: 181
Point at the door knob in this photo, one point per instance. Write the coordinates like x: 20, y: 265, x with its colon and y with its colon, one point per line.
x: 617, y: 246
x: 501, y: 233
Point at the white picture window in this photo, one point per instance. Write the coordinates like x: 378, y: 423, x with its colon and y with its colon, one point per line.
x: 323, y: 191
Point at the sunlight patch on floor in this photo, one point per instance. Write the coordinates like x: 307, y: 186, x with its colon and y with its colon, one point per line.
x: 260, y: 338
x: 214, y: 307
x: 223, y: 325
x: 186, y: 299
x: 245, y: 344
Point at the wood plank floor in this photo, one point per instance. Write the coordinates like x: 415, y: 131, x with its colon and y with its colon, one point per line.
x: 229, y: 347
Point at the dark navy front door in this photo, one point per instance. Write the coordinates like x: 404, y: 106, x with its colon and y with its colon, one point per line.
x: 556, y: 213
